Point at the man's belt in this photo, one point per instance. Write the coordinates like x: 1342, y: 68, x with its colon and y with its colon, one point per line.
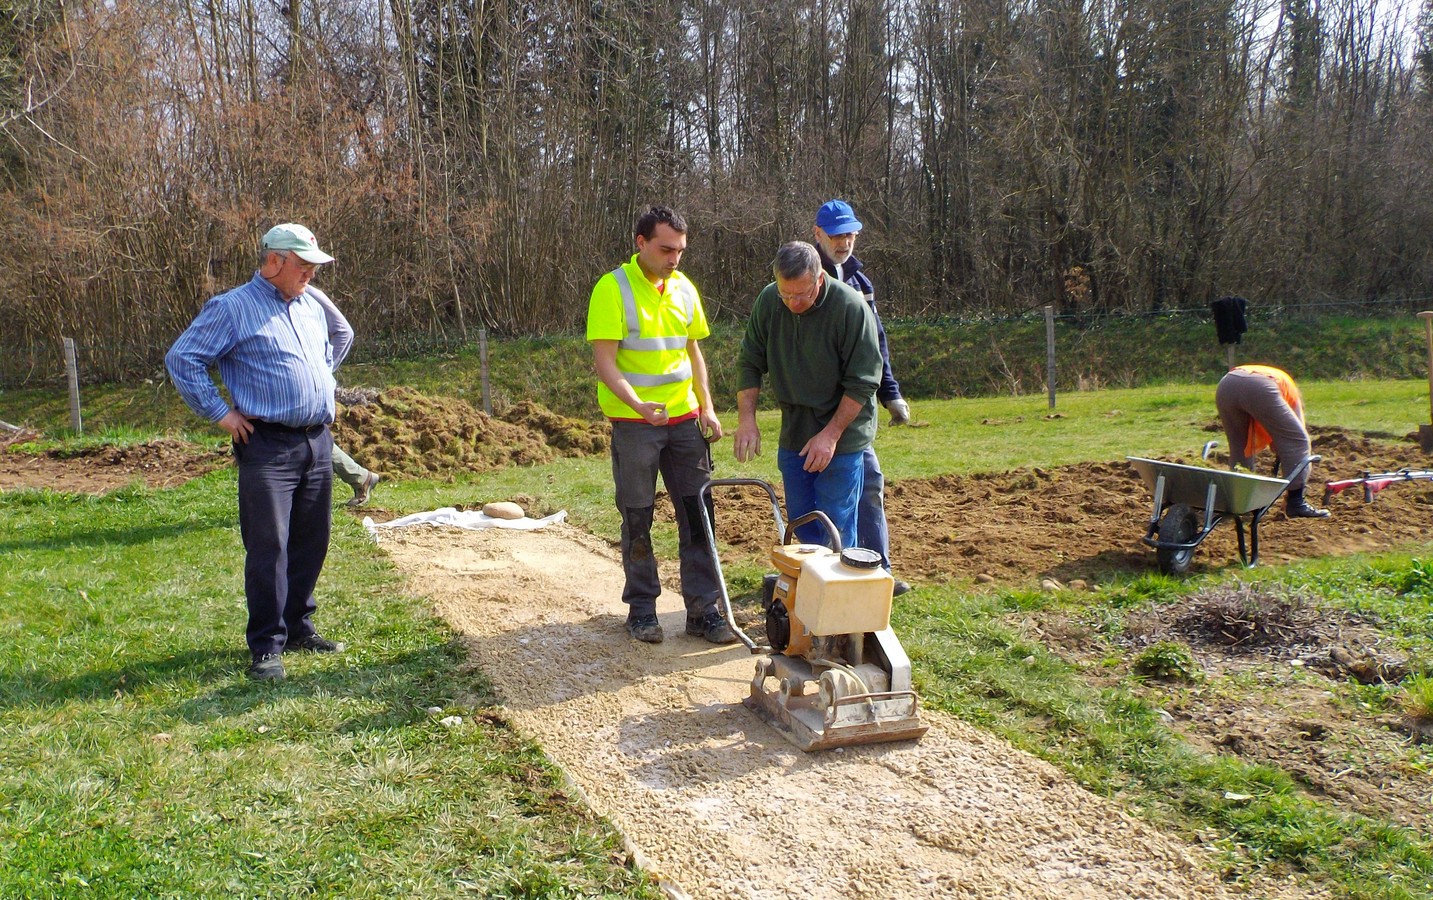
x: 305, y: 430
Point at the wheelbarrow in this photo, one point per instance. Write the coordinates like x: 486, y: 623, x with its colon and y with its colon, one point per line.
x: 1182, y: 493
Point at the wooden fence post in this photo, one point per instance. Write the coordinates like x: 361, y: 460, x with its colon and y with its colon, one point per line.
x: 72, y: 375
x: 483, y: 367
x: 1050, y: 352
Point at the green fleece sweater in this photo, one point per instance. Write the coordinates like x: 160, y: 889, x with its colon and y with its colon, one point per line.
x: 813, y: 360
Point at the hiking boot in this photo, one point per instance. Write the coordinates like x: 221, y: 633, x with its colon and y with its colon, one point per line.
x: 1298, y: 508
x: 901, y: 587
x: 1302, y: 510
x: 645, y: 628
x: 711, y: 626
x: 314, y: 643
x: 361, y: 493
x: 267, y: 667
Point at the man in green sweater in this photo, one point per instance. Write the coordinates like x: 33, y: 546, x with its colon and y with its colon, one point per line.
x: 815, y: 338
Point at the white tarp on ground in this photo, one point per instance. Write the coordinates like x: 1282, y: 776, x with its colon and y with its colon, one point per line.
x: 472, y: 519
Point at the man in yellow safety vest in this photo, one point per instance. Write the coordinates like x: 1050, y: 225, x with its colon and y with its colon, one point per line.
x: 644, y: 320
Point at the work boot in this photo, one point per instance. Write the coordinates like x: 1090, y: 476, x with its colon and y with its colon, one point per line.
x: 711, y: 626
x: 1298, y: 508
x: 645, y: 628
x: 900, y: 587
x: 267, y: 667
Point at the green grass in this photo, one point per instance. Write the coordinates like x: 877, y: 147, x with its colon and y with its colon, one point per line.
x: 136, y: 758
x: 971, y: 663
x: 121, y: 620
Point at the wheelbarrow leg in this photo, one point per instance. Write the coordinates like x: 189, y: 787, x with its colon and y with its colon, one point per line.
x: 1254, y: 532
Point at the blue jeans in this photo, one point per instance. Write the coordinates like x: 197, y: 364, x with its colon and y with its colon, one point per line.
x: 835, y: 491
x: 871, y: 530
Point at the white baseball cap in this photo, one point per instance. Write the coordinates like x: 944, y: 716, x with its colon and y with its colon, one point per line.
x: 296, y: 238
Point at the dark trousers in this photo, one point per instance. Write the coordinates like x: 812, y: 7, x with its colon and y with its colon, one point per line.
x: 285, y: 516
x: 1245, y: 397
x: 682, y: 456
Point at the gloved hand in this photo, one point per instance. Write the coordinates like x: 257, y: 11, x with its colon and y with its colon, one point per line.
x: 900, y: 411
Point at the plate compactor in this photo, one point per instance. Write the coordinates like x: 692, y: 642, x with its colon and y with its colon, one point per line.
x: 834, y: 674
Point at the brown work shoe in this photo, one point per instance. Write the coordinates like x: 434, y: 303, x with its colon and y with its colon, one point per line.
x: 267, y: 667
x: 363, y: 491
x: 711, y: 626
x: 645, y: 629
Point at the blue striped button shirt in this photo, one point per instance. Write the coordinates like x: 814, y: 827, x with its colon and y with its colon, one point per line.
x: 274, y: 357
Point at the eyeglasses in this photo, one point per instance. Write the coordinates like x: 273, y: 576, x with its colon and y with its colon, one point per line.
x: 805, y: 294
x: 302, y: 264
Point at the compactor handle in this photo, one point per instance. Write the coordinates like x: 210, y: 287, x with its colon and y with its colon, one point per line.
x: 815, y: 515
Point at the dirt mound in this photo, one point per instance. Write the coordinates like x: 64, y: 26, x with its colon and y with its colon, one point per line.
x: 94, y: 470
x: 403, y: 431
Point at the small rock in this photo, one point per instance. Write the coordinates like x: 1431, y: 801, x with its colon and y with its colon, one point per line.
x: 984, y: 578
x: 1050, y: 585
x: 263, y: 729
x: 1030, y: 660
x: 451, y: 721
x: 1079, y: 584
x: 504, y: 509
x: 162, y: 737
x: 434, y: 710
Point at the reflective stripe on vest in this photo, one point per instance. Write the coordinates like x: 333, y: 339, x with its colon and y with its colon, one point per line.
x: 634, y: 341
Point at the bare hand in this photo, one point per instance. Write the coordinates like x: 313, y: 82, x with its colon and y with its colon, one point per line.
x: 653, y: 413
x: 818, y: 452
x: 238, y: 426
x: 709, y: 425
x: 747, y: 442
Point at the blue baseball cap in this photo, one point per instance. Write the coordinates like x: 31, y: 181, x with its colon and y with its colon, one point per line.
x: 836, y: 217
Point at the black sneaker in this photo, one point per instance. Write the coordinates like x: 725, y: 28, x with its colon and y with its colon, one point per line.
x: 267, y: 667
x: 711, y: 626
x: 645, y: 628
x: 314, y: 643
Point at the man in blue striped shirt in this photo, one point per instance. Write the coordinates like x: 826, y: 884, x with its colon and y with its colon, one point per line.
x: 270, y: 341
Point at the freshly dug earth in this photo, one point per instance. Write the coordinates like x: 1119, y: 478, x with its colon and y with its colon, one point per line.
x: 401, y: 431
x: 396, y: 432
x: 157, y: 464
x: 717, y: 803
x: 1085, y: 522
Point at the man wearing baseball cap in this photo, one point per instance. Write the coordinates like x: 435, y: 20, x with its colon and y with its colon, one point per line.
x: 835, y: 231
x: 271, y: 341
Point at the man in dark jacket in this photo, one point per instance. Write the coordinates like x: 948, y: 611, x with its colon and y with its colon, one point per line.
x: 835, y: 231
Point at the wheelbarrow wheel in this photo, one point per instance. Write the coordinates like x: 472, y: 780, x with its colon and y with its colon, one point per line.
x: 1178, y: 526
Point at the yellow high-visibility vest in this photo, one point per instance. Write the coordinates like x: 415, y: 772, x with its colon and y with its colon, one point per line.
x: 651, y: 331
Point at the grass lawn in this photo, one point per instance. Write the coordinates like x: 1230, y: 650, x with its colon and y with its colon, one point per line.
x: 137, y: 760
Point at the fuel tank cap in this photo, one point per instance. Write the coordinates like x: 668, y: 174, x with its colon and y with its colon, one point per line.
x: 860, y: 558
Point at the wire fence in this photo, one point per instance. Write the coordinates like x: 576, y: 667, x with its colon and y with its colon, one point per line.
x: 42, y: 365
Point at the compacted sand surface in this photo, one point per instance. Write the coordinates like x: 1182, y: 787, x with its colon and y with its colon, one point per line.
x: 717, y: 803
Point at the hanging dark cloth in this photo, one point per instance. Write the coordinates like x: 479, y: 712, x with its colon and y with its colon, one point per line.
x: 1229, y: 318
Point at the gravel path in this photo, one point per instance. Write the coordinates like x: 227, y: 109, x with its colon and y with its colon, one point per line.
x: 716, y: 803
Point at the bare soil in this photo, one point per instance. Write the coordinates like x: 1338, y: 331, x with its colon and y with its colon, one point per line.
x: 98, y: 470
x: 1084, y: 522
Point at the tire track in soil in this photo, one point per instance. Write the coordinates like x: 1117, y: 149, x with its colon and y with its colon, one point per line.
x: 719, y: 805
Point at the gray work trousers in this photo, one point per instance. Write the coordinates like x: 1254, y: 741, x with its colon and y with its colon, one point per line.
x: 1245, y: 397
x: 348, y: 470
x: 683, y: 457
